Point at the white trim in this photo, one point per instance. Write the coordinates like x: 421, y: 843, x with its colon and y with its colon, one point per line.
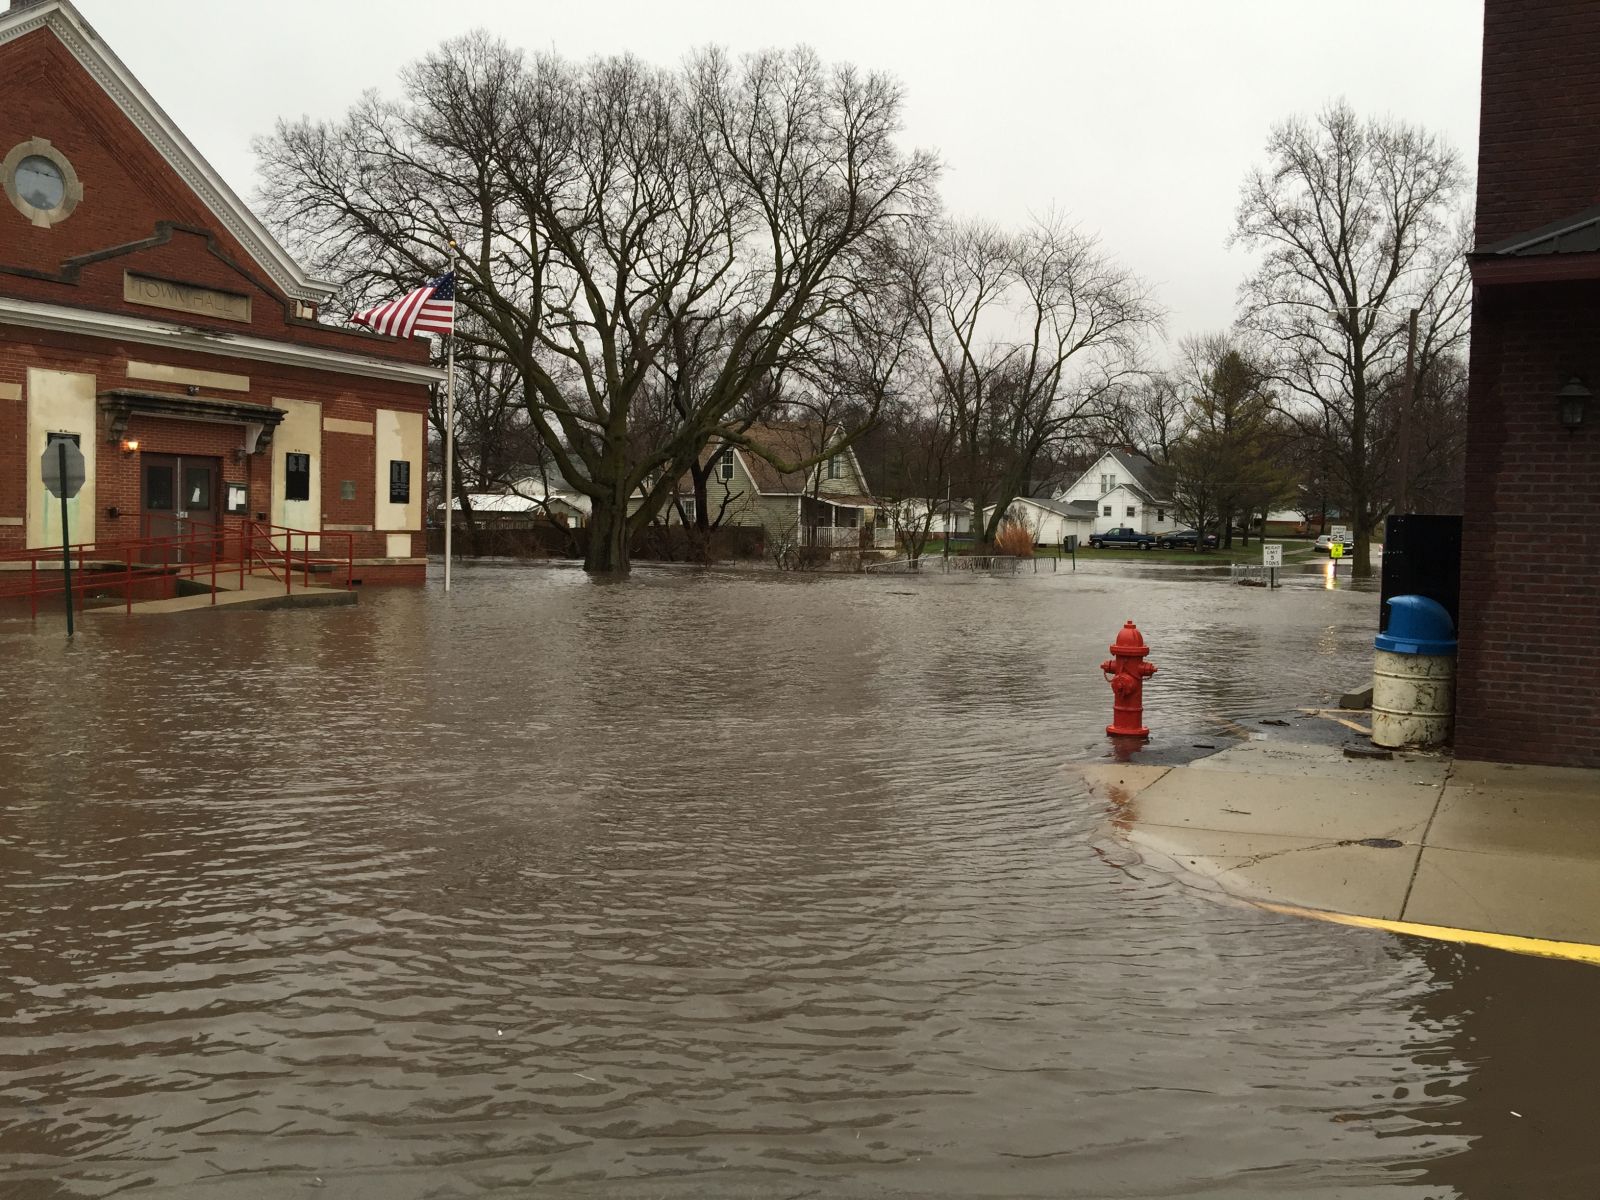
x: 861, y: 476
x: 78, y: 36
x: 87, y: 323
x: 738, y: 453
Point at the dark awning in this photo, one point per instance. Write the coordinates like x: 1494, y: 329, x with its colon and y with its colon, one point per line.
x: 1577, y: 234
x: 1562, y: 250
x: 259, y: 420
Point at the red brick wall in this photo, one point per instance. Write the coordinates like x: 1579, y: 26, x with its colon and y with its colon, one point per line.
x: 134, y: 198
x: 391, y: 574
x: 1529, y: 687
x: 129, y: 191
x: 344, y: 455
x: 1539, y: 141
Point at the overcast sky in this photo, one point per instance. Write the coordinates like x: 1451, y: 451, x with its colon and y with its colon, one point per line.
x: 1136, y: 119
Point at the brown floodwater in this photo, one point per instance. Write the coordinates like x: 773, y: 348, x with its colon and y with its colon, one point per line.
x: 711, y: 885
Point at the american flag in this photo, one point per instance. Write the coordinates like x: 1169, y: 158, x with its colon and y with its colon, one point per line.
x: 430, y: 309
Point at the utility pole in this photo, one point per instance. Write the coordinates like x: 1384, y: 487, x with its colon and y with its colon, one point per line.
x: 949, y: 517
x: 1408, y: 387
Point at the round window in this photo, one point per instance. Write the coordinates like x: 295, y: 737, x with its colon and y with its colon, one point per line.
x: 40, y: 183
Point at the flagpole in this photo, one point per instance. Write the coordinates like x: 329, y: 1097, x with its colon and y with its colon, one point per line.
x: 450, y: 429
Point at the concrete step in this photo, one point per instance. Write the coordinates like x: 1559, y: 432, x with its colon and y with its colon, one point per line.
x: 258, y: 592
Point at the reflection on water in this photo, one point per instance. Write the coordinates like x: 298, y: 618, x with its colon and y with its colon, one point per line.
x: 702, y: 885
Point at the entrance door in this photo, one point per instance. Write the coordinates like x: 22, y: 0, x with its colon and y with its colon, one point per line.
x: 179, y: 499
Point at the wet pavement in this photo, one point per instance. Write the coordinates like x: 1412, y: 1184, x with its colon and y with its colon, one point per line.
x: 711, y: 884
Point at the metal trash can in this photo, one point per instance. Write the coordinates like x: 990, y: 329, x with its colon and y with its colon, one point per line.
x: 1414, y: 675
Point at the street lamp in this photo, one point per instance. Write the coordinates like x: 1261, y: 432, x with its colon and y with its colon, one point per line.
x: 1572, y: 399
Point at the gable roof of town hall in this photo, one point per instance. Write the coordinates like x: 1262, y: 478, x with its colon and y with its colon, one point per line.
x: 64, y: 21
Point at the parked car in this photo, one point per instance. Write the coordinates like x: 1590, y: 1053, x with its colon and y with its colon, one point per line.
x: 1322, y: 544
x: 1188, y: 539
x: 1124, y: 536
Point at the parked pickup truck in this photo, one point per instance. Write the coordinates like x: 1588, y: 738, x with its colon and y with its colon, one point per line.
x: 1124, y: 536
x: 1186, y: 539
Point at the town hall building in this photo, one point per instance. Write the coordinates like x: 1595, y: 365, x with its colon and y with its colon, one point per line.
x: 147, y: 316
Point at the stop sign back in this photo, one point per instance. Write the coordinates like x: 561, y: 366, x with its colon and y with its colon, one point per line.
x: 59, y: 480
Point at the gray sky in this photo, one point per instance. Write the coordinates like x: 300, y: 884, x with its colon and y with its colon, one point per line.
x: 1135, y: 118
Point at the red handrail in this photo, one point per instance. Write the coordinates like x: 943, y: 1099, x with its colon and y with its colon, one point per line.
x: 197, y: 552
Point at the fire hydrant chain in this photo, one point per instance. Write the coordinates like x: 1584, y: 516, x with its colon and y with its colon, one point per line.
x: 1126, y: 671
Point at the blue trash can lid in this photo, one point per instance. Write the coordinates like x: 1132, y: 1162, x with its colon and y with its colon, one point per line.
x: 1417, y: 625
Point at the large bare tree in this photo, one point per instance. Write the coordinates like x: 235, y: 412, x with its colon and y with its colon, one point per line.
x: 1027, y: 332
x: 1146, y: 415
x: 1358, y: 221
x: 494, y: 443
x: 605, y: 209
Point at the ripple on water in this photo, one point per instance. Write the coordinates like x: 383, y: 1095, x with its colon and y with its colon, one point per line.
x: 698, y: 884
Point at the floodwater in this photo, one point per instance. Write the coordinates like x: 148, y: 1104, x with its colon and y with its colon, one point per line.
x: 711, y: 885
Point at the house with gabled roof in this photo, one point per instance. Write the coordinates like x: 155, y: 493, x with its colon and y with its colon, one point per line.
x: 1051, y: 522
x: 828, y: 504
x: 1121, y: 488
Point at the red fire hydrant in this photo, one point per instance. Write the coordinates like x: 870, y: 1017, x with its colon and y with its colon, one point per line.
x: 1126, y: 671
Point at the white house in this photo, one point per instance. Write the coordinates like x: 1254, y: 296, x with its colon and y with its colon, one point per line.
x: 949, y: 518
x: 1121, y: 489
x: 509, y: 510
x: 1051, y: 520
x: 549, y: 492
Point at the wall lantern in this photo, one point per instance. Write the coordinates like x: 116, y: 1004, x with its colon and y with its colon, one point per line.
x: 130, y: 445
x: 1573, y: 399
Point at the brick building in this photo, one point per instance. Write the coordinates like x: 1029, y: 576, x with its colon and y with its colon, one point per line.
x: 148, y: 316
x: 1529, y: 688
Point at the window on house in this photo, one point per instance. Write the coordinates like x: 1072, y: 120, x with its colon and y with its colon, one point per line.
x: 725, y: 464
x: 297, y: 476
x: 1106, y: 511
x: 1161, y: 515
x: 835, y: 469
x: 1132, y: 511
x: 399, y: 481
x: 688, y: 510
x: 1103, y: 488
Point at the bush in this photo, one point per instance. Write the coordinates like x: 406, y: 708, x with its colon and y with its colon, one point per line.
x: 1014, y: 539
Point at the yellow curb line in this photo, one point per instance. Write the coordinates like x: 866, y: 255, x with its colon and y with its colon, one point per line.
x: 1541, y: 947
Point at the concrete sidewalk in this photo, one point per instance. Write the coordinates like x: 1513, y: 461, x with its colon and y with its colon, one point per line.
x: 1420, y: 839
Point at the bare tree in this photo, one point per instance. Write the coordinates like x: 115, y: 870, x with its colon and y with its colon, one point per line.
x: 1197, y: 480
x: 1227, y: 399
x: 1439, y: 438
x: 1026, y: 332
x: 604, y: 209
x: 494, y: 444
x: 1358, y: 223
x: 915, y: 442
x: 1146, y: 415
